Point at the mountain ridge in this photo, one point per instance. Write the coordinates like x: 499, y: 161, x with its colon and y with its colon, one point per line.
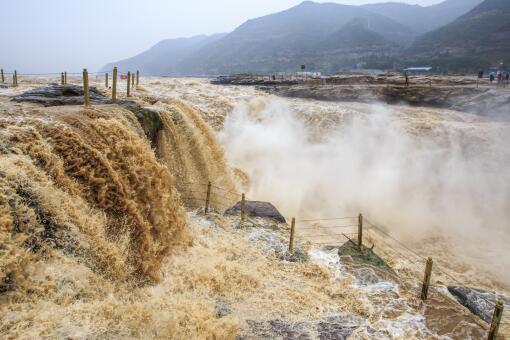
x: 477, y: 39
x: 309, y: 33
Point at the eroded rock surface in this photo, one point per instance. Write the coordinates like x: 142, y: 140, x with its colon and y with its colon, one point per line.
x: 69, y: 94
x: 478, y: 301
x: 57, y: 95
x: 257, y: 209
x: 332, y: 328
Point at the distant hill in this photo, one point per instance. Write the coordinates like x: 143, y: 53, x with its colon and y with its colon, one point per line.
x: 325, y: 36
x: 474, y: 41
x: 424, y: 19
x: 282, y: 41
x: 162, y: 58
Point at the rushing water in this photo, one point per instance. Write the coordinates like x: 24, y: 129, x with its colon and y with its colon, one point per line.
x: 96, y: 242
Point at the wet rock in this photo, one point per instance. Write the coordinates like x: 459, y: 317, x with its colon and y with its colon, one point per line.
x: 7, y: 284
x: 149, y: 119
x: 276, y: 329
x: 333, y: 328
x: 481, y: 101
x: 368, y: 276
x: 271, y: 243
x: 268, y: 241
x: 363, y: 255
x: 297, y: 256
x: 336, y: 328
x: 222, y: 310
x: 257, y: 209
x: 249, y: 79
x: 479, y: 302
x: 58, y: 95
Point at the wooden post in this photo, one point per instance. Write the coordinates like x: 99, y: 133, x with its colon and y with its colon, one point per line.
x: 137, y: 78
x: 128, y: 84
x: 360, y: 230
x: 86, y: 98
x: 133, y: 81
x: 3, y: 78
x: 292, y: 233
x: 243, y: 207
x: 114, y: 83
x: 496, y: 320
x: 15, y: 78
x: 106, y: 80
x: 62, y: 81
x: 207, y: 198
x: 426, y: 280
x: 65, y: 77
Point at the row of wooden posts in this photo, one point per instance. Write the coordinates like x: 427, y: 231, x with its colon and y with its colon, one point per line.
x: 498, y: 310
x: 14, y: 77
x: 131, y: 80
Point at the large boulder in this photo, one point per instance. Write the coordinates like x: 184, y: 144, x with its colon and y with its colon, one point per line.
x: 257, y: 209
x: 479, y: 302
x: 58, y: 95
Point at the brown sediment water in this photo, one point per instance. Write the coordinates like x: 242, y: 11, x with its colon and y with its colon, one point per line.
x: 192, y: 152
x: 117, y: 191
x: 95, y: 242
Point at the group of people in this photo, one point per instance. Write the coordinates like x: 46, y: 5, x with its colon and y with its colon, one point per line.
x: 503, y: 77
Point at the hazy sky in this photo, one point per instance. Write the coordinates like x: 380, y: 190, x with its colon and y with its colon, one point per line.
x: 56, y: 35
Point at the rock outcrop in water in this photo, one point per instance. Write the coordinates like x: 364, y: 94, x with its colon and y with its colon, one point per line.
x: 458, y: 93
x: 69, y: 94
x: 257, y: 209
x: 58, y: 95
x: 478, y: 301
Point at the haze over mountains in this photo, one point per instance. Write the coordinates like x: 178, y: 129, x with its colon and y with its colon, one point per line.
x: 329, y: 37
x: 480, y: 37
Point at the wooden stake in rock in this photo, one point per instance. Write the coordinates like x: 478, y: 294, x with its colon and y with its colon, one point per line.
x: 243, y: 208
x: 65, y: 77
x: 132, y: 80
x: 62, y: 80
x: 86, y: 98
x: 360, y: 230
x: 3, y: 78
x: 137, y: 78
x: 207, y: 198
x: 106, y: 80
x: 426, y: 280
x: 129, y: 84
x: 114, y: 83
x: 292, y: 233
x: 496, y: 320
x: 15, y: 78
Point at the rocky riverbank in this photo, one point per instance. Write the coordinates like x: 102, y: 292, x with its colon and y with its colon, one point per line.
x: 458, y: 93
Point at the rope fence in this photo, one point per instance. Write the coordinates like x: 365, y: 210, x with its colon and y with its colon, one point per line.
x: 132, y: 80
x: 333, y: 231
x: 214, y: 197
